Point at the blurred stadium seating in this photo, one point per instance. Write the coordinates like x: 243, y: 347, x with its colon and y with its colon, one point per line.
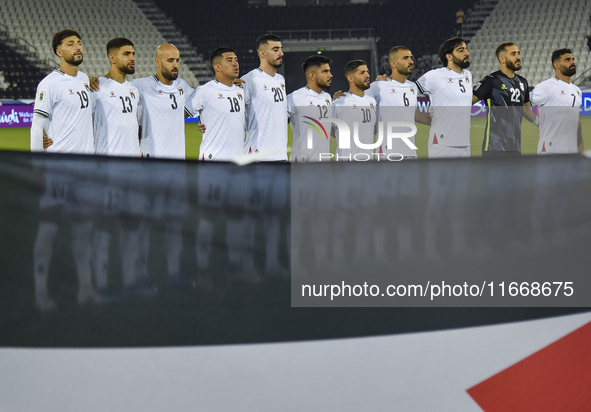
x: 97, y: 22
x: 538, y: 28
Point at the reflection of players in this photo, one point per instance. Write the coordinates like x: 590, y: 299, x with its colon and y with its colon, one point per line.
x: 61, y: 108
x: 162, y: 120
x: 116, y: 134
x: 220, y: 104
x: 266, y: 103
x: 358, y: 110
x: 505, y: 94
x: 307, y: 107
x: 397, y: 99
x: 450, y: 91
x: 559, y: 101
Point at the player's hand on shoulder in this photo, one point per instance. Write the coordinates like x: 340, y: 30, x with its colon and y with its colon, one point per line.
x: 239, y: 82
x: 201, y: 127
x: 94, y: 84
x: 382, y: 78
x: 337, y: 94
x: 46, y: 141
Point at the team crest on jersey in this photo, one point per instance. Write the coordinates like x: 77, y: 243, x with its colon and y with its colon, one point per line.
x: 283, y: 86
x: 393, y: 91
x: 522, y: 86
x: 327, y: 102
x: 132, y: 95
x: 311, y: 104
x: 354, y: 106
x: 159, y: 91
x: 113, y: 94
x: 239, y: 95
x: 265, y: 88
x: 220, y: 96
x: 579, y: 93
x: 371, y: 105
x: 412, y: 91
x: 181, y: 91
x: 467, y: 80
x: 503, y: 87
x: 562, y: 93
x: 450, y: 80
x: 41, y: 97
x: 71, y: 91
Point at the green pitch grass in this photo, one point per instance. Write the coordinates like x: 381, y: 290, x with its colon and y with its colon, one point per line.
x: 18, y: 138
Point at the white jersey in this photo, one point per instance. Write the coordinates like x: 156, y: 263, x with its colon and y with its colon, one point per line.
x: 306, y: 109
x: 222, y: 111
x: 115, y: 116
x: 360, y: 114
x: 397, y: 102
x: 266, y: 114
x: 66, y: 101
x: 451, y: 98
x: 162, y: 116
x: 559, y: 115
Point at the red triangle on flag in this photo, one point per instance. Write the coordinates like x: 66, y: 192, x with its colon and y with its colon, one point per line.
x: 544, y: 147
x: 203, y: 156
x: 556, y: 378
x: 435, y: 139
x: 249, y: 150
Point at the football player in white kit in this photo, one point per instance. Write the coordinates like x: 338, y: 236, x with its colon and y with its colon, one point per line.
x: 266, y: 134
x: 162, y: 112
x: 396, y: 97
x: 62, y: 110
x: 266, y: 102
x: 450, y: 91
x: 355, y: 106
x: 306, y: 107
x: 559, y: 101
x: 115, y: 113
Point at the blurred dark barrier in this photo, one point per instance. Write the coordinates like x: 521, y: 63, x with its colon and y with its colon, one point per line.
x: 126, y: 252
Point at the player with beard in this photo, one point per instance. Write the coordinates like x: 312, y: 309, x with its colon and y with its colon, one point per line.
x: 62, y: 110
x: 505, y: 94
x: 266, y: 103
x: 162, y: 106
x: 115, y: 104
x: 355, y: 106
x: 397, y: 99
x: 307, y: 107
x: 61, y: 104
x: 559, y: 101
x: 450, y: 91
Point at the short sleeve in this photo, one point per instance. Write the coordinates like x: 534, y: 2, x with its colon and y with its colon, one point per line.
x: 483, y: 89
x: 539, y: 96
x: 374, y: 91
x: 425, y: 83
x: 197, y: 101
x: 290, y: 105
x: 44, y: 99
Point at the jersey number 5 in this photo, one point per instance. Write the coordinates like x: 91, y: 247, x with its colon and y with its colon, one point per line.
x: 462, y: 88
